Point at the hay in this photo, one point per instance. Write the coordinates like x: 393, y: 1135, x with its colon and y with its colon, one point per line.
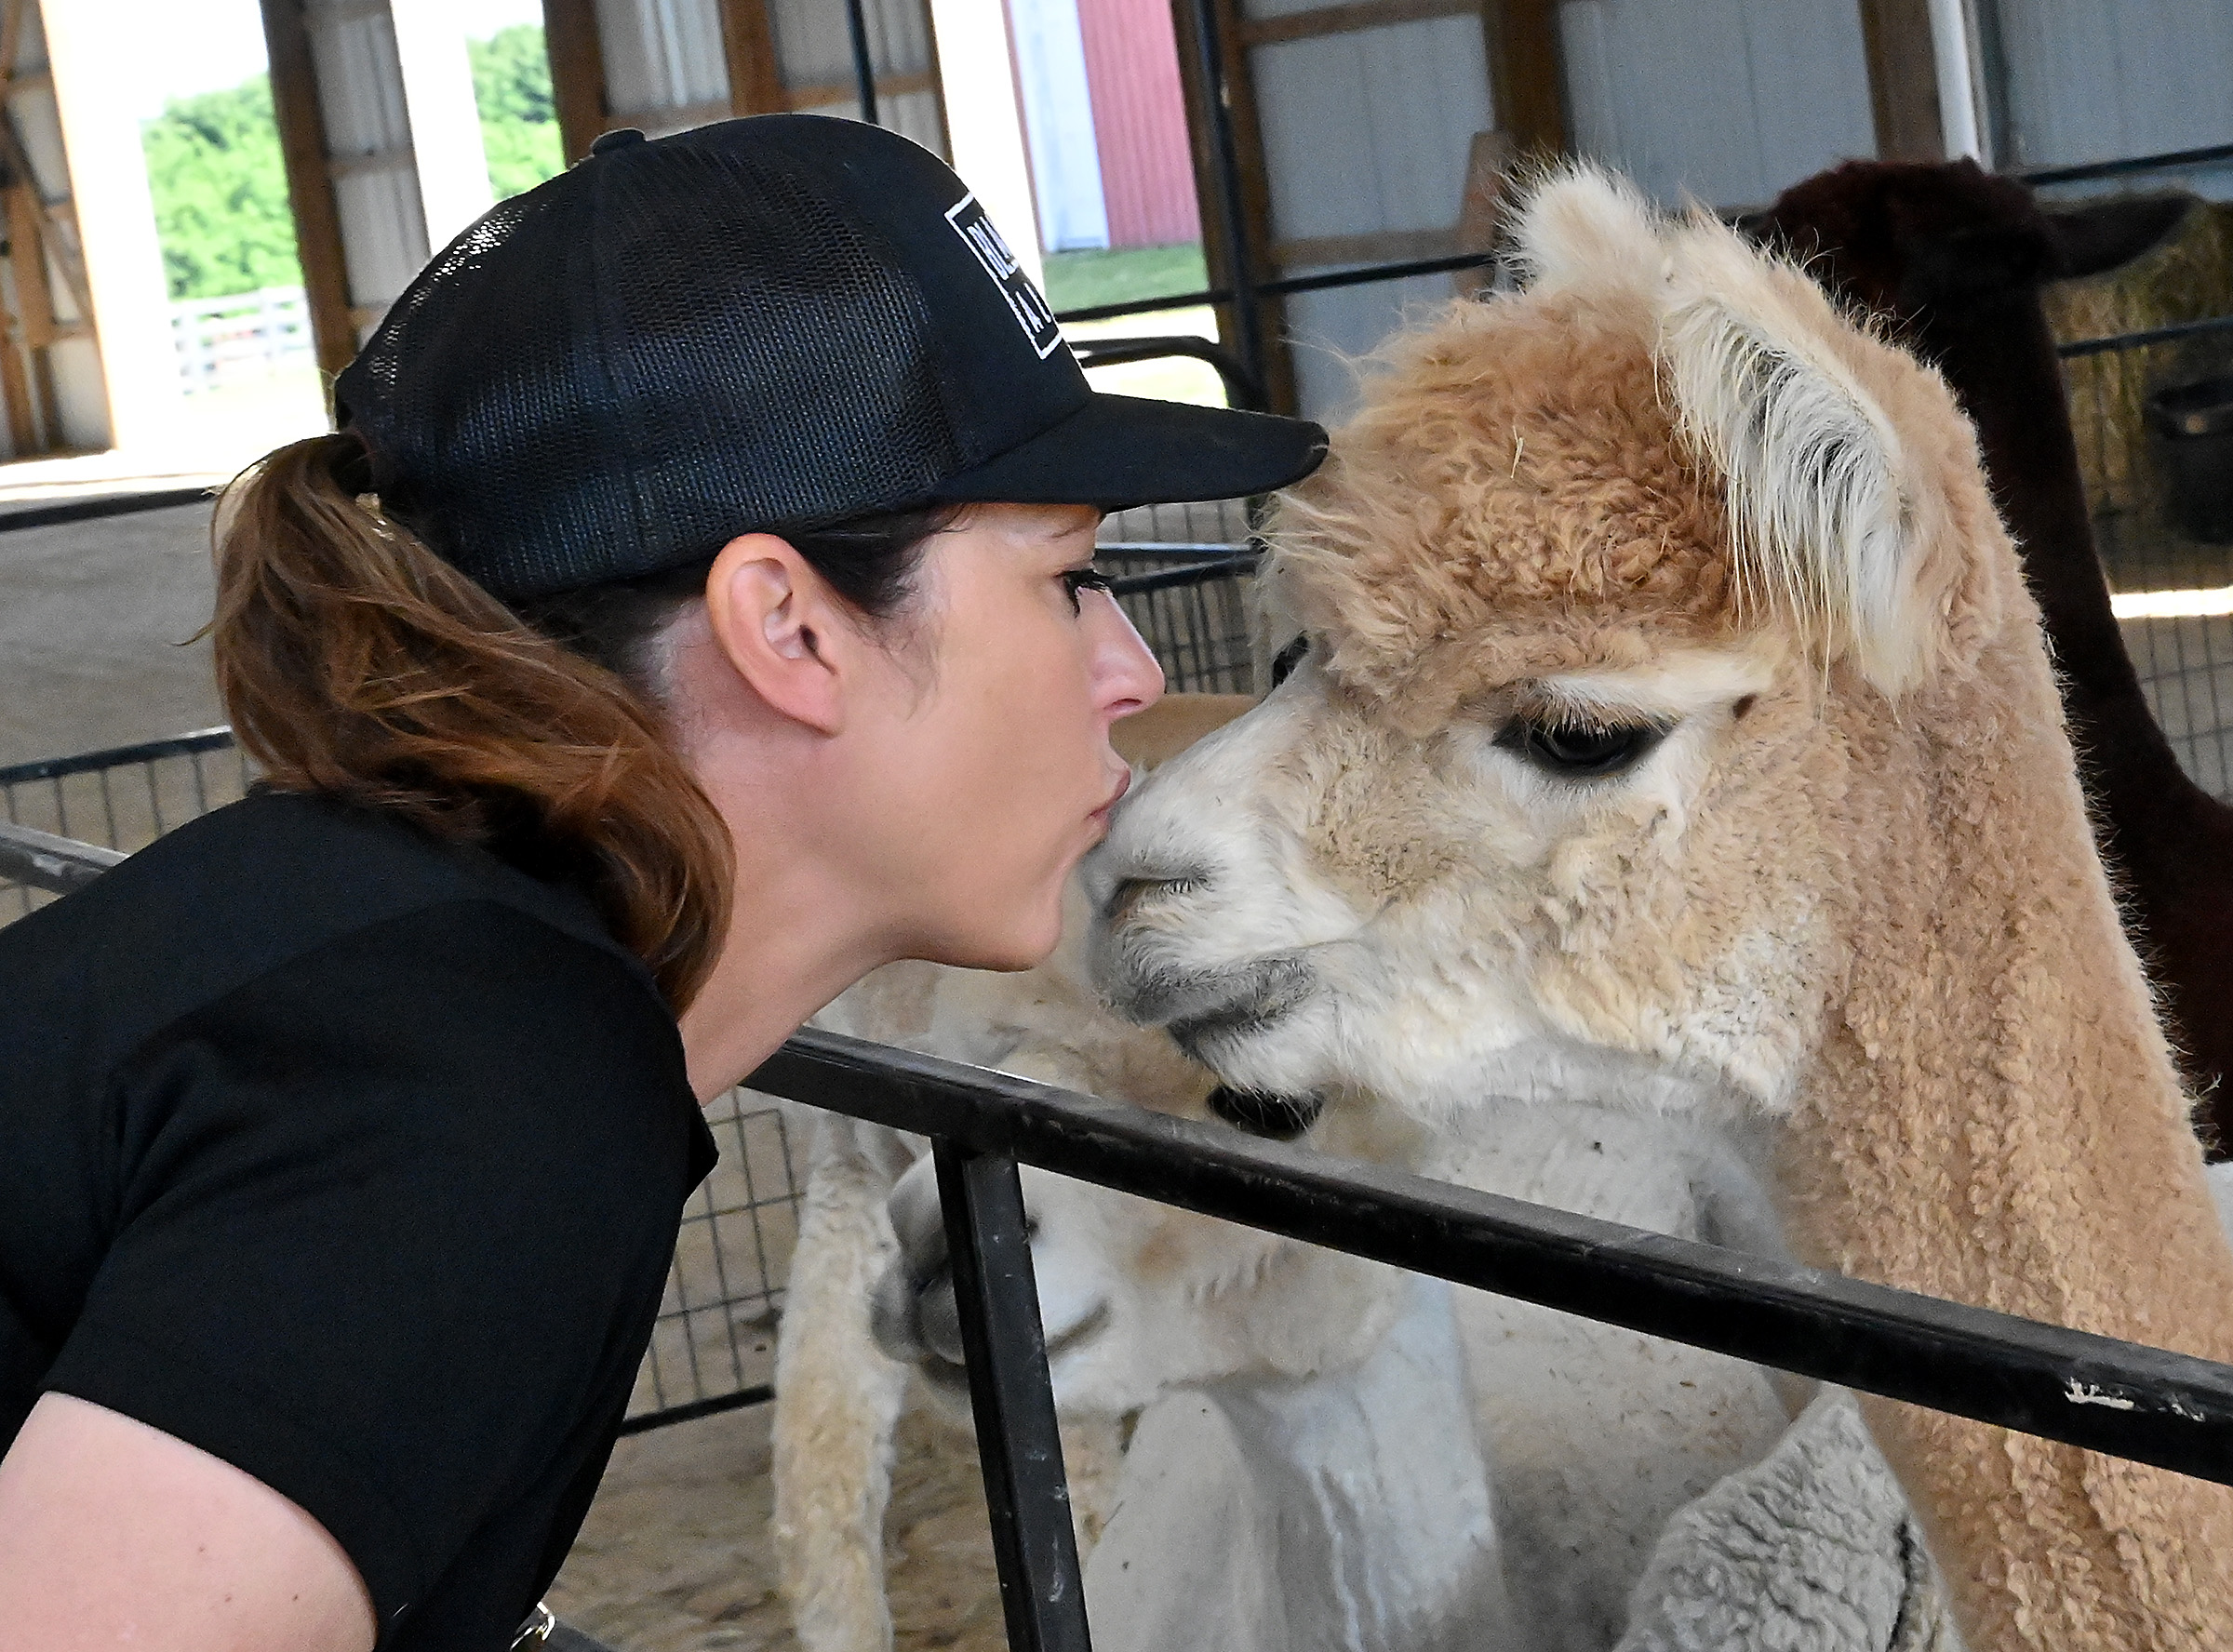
x: 2186, y: 276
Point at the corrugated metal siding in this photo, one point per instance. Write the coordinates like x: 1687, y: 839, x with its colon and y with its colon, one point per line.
x: 815, y: 48
x: 1140, y: 121
x: 368, y: 139
x: 1365, y: 135
x: 1726, y: 100
x: 664, y: 70
x: 2093, y: 82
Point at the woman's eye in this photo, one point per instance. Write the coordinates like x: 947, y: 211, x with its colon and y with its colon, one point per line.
x: 1076, y: 580
x: 1580, y: 751
x: 1285, y: 661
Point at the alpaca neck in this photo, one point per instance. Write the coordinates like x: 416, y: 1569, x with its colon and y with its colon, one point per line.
x: 1994, y: 1119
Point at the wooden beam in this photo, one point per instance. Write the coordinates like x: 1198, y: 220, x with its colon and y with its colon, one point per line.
x: 296, y: 111
x: 1527, y: 74
x: 23, y: 429
x: 1348, y: 19
x: 887, y: 86
x: 570, y: 35
x: 1482, y: 207
x: 1902, y: 80
x: 755, y: 74
x: 35, y: 301
x: 1377, y: 246
x: 11, y: 35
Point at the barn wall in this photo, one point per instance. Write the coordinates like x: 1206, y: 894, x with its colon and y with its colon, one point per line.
x: 666, y: 65
x: 817, y: 55
x: 1365, y: 135
x: 664, y: 69
x: 1726, y: 100
x: 2093, y: 82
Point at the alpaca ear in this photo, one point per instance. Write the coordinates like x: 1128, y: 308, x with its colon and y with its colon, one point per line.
x: 1820, y: 512
x: 1579, y: 219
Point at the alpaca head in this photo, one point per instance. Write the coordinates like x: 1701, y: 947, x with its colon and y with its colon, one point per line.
x: 1139, y: 1298
x: 1603, y: 613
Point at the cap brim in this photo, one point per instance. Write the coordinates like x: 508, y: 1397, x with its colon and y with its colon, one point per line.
x: 1119, y: 451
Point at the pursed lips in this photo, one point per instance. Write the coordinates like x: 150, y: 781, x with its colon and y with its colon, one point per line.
x: 1124, y: 784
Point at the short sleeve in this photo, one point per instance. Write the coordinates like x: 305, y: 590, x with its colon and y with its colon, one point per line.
x: 390, y: 1225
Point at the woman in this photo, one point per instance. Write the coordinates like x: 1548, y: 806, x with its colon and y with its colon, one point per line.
x: 695, y: 612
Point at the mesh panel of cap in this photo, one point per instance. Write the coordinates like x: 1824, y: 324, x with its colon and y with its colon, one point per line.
x: 622, y: 369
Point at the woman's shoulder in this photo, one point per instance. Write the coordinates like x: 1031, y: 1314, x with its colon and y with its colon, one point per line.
x: 280, y: 885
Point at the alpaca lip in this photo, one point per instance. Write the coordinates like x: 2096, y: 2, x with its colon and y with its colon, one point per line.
x: 1228, y: 1004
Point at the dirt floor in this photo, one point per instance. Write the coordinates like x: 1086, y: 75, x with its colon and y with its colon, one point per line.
x: 675, y: 1556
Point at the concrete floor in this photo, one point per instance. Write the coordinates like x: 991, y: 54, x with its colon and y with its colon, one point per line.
x: 92, y: 615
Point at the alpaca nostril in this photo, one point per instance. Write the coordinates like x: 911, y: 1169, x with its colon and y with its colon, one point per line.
x: 1277, y: 1118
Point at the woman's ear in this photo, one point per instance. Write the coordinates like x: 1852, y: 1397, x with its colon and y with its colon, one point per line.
x: 783, y: 629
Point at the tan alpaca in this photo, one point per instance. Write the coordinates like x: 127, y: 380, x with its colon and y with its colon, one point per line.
x: 1676, y: 731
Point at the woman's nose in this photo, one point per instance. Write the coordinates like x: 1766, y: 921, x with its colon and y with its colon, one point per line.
x: 1127, y: 677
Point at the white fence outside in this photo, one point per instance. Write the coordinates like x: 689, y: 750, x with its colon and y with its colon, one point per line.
x: 241, y: 336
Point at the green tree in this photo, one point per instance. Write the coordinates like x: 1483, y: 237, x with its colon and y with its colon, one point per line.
x: 219, y: 192
x: 519, y: 122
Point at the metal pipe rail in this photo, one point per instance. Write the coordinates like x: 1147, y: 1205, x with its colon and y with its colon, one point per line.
x: 44, y: 861
x: 2147, y: 1404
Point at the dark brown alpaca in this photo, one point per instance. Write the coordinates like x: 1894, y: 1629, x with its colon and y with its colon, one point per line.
x: 1955, y: 258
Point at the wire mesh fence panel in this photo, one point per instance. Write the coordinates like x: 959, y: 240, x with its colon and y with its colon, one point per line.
x: 2148, y: 543
x: 2185, y: 668
x: 1197, y: 621
x: 715, y: 1337
x: 1194, y: 521
x: 120, y: 799
x: 2185, y: 663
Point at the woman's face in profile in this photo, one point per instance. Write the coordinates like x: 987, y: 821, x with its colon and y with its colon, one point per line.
x: 996, y: 767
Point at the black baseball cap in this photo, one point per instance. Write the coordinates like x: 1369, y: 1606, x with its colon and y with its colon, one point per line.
x: 773, y: 323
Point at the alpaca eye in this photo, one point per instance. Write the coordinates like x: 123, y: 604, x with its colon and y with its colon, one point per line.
x: 1285, y: 661
x: 1278, y: 1118
x: 1580, y: 751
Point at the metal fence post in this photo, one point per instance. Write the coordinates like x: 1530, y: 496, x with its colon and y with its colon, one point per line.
x: 989, y: 1241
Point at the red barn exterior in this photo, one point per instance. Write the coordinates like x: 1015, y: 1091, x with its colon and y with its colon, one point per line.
x: 1139, y: 122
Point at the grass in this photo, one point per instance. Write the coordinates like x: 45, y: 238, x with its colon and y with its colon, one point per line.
x: 1076, y: 280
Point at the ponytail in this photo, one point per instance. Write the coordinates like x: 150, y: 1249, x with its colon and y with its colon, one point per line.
x: 357, y: 663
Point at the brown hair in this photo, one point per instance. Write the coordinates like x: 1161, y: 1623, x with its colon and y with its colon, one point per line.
x: 358, y: 664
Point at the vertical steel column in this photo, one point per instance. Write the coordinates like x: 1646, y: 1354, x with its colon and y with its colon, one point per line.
x: 1012, y: 1400
x: 864, y: 65
x: 1248, y: 318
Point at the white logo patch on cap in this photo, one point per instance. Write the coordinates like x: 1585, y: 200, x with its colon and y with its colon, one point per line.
x: 1032, y: 311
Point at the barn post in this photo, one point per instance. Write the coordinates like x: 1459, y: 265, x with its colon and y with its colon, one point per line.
x: 1234, y: 188
x: 1527, y: 76
x: 1903, y: 79
x: 297, y: 111
x: 119, y: 288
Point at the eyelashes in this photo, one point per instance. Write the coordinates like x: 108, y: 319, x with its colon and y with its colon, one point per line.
x: 1076, y: 581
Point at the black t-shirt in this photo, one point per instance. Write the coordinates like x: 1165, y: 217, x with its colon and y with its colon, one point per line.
x: 356, y: 1160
